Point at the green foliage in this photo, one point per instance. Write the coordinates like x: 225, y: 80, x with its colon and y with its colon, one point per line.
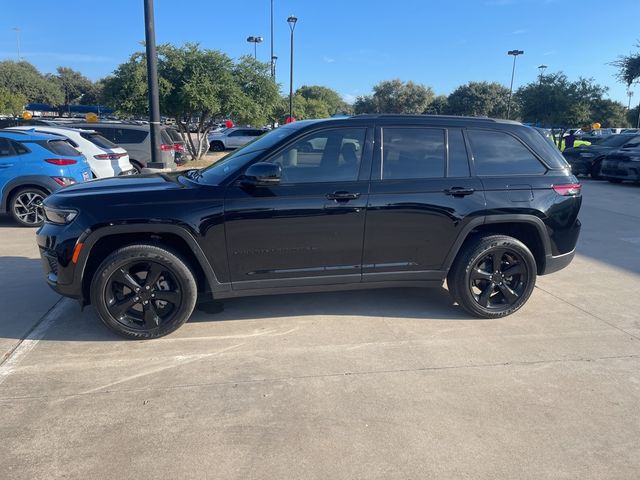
x: 628, y: 68
x: 439, y: 106
x: 329, y: 98
x: 609, y: 113
x: 633, y: 117
x: 23, y: 78
x: 73, y: 84
x: 479, y: 99
x: 11, y: 103
x: 395, y: 96
x: 259, y: 94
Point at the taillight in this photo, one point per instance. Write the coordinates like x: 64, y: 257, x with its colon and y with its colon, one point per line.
x: 569, y: 190
x: 109, y: 156
x: 61, y: 161
x: 178, y: 147
x: 166, y: 147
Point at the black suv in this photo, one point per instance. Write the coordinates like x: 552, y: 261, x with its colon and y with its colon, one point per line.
x: 362, y: 202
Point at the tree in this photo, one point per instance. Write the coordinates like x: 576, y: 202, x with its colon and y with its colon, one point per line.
x: 11, y: 103
x: 479, y: 99
x: 23, y: 78
x: 555, y: 102
x: 331, y: 99
x: 628, y: 68
x: 73, y: 84
x: 439, y: 106
x: 395, y: 96
x: 609, y: 113
x: 197, y: 86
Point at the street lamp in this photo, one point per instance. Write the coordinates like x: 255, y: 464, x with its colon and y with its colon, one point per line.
x: 255, y: 41
x: 18, y: 30
x: 292, y: 25
x: 274, y: 59
x: 542, y: 68
x: 515, y: 54
x: 629, y: 94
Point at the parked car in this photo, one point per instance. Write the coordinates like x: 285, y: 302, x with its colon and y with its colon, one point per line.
x: 136, y: 140
x: 587, y: 160
x: 105, y: 158
x: 32, y: 166
x: 441, y: 198
x: 233, y: 138
x: 622, y: 164
x: 178, y: 145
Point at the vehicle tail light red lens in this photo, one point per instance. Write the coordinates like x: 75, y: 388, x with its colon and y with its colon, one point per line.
x: 178, y: 147
x: 166, y: 147
x: 569, y: 190
x: 61, y: 161
x: 109, y: 156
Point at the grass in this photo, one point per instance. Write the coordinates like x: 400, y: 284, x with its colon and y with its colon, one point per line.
x: 209, y: 159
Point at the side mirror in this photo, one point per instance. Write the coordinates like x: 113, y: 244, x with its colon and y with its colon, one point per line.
x: 262, y: 174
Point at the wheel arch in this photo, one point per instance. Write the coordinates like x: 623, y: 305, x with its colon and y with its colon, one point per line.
x: 529, y: 229
x: 99, y: 243
x: 35, y: 181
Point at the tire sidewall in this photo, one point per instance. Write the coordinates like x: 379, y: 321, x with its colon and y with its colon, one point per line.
x: 126, y: 255
x: 15, y: 195
x: 463, y: 292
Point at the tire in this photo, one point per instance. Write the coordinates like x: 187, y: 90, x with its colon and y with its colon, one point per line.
x: 136, y: 165
x: 614, y: 180
x: 481, y: 287
x: 217, y: 146
x: 25, y: 206
x: 596, y: 169
x: 120, y: 287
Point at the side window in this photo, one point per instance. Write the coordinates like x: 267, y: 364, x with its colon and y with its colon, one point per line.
x: 498, y: 153
x: 108, y: 133
x: 129, y: 135
x: 327, y: 156
x: 237, y: 133
x: 256, y: 133
x: 18, y: 148
x: 412, y: 153
x: 458, y: 160
x: 5, y: 148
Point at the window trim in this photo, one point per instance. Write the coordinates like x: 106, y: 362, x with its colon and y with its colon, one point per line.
x: 472, y: 156
x: 445, y: 133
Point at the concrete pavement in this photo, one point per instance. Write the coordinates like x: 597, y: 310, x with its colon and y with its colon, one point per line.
x: 367, y: 384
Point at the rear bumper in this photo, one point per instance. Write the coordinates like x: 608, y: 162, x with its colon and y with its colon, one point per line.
x: 558, y: 262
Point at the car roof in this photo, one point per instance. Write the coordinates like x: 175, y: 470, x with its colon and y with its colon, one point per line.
x: 52, y: 128
x: 21, y: 135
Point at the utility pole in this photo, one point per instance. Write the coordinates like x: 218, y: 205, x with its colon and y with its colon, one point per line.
x: 292, y: 20
x: 273, y: 58
x: 17, y: 30
x: 515, y: 54
x: 152, y: 81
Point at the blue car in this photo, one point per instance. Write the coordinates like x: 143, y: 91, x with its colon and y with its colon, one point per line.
x: 33, y: 166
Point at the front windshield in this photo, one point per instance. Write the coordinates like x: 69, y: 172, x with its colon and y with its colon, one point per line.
x: 234, y: 161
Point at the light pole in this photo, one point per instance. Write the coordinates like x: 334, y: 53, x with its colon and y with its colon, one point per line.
x: 542, y: 68
x: 292, y: 25
x: 255, y: 41
x: 515, y: 54
x: 273, y: 58
x: 17, y: 30
x: 629, y: 94
x: 152, y: 79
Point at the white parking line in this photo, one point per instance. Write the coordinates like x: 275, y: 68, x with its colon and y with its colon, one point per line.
x: 31, y: 340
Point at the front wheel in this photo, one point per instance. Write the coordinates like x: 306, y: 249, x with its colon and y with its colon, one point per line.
x: 492, y: 276
x: 217, y: 146
x: 26, y: 206
x: 143, y: 291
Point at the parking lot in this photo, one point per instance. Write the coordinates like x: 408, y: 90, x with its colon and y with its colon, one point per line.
x: 367, y: 384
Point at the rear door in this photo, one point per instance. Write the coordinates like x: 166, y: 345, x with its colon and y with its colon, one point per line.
x: 421, y: 195
x: 309, y: 228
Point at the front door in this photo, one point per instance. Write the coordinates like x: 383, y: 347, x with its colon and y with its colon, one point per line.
x: 421, y: 194
x: 309, y: 228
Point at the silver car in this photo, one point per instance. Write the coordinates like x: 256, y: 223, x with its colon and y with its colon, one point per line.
x: 233, y: 138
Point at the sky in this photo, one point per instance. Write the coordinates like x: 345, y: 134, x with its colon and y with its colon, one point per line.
x: 348, y: 45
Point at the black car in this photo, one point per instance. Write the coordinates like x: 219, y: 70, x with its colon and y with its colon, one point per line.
x: 587, y: 160
x: 362, y: 202
x: 622, y: 164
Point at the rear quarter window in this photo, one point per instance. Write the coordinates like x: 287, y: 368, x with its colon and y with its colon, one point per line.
x: 60, y: 147
x: 498, y: 154
x: 129, y: 135
x: 174, y: 134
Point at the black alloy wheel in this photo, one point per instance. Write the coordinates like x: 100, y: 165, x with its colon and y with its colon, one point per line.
x: 144, y: 291
x: 217, y: 146
x: 26, y: 207
x: 492, y: 276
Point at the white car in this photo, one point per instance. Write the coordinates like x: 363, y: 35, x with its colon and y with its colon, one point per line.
x: 233, y: 138
x: 105, y: 158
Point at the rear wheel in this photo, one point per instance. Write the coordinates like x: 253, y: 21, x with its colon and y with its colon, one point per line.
x: 26, y: 206
x: 596, y: 170
x: 144, y: 291
x: 492, y: 276
x: 217, y: 146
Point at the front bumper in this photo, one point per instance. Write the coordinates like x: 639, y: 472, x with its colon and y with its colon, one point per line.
x: 56, y: 247
x: 624, y: 170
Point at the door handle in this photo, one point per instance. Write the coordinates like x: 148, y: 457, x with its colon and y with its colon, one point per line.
x: 342, y: 196
x: 459, y: 191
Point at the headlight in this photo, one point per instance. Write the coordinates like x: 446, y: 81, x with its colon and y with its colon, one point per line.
x: 60, y: 216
